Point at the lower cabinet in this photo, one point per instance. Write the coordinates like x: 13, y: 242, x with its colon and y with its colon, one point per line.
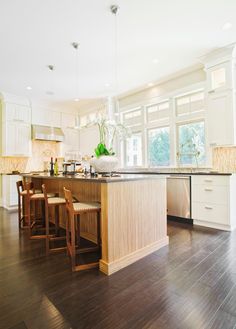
x: 212, y: 201
x: 9, y: 191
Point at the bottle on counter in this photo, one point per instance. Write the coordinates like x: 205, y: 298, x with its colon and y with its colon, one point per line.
x: 56, y: 171
x: 51, y: 167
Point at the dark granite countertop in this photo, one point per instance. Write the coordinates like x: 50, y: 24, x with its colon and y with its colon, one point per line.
x: 119, y: 178
x: 147, y: 172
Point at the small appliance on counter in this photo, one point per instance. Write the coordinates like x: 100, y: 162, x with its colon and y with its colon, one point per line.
x: 69, y: 167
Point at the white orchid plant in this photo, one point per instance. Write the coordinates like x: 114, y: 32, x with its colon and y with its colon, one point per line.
x: 109, y: 130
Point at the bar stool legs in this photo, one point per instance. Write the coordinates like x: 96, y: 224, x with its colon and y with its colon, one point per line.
x: 74, y: 210
x: 53, y: 202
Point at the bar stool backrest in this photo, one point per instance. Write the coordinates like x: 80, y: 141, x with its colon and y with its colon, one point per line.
x: 45, y: 195
x: 19, y: 187
x: 69, y: 202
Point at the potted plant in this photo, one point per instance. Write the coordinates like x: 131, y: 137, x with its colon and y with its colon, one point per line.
x: 105, y: 159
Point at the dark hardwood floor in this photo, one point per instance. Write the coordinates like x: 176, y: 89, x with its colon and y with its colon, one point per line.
x: 190, y: 284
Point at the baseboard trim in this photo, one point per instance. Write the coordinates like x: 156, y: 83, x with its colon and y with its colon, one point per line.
x: 213, y: 225
x: 110, y: 268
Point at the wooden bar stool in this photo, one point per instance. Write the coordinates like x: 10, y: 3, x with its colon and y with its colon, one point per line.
x: 53, y: 202
x: 74, y: 210
x: 22, y: 192
x: 35, y: 223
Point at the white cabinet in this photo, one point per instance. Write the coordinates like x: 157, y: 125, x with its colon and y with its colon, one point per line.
x: 68, y: 120
x: 16, y: 127
x: 46, y: 117
x: 212, y: 201
x: 71, y: 142
x: 9, y: 191
x: 221, y: 106
x: 219, y: 76
x: 16, y: 139
x: 16, y: 112
x: 220, y: 118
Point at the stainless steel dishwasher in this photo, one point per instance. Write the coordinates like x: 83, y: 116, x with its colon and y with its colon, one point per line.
x: 179, y: 198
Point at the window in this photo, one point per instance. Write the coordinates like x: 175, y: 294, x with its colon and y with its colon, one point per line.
x: 133, y: 118
x: 134, y: 150
x: 191, y: 103
x: 158, y: 112
x: 159, y: 147
x: 191, y: 143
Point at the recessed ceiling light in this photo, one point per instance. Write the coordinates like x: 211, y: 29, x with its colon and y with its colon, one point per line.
x: 107, y: 85
x: 29, y: 88
x: 76, y: 99
x: 155, y: 61
x: 227, y: 26
x: 150, y: 84
x: 49, y: 92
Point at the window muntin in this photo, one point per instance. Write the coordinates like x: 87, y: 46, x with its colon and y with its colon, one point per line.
x: 158, y: 111
x: 159, y: 147
x: 133, y: 150
x: 191, y: 143
x: 191, y: 103
x: 133, y: 118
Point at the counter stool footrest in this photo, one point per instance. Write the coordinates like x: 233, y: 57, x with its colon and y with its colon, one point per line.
x: 85, y: 267
x: 85, y: 250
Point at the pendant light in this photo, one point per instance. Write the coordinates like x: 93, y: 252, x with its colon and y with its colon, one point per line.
x: 75, y: 45
x: 112, y: 100
x: 51, y: 69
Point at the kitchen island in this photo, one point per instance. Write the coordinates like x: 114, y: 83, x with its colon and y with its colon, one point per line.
x: 133, y: 213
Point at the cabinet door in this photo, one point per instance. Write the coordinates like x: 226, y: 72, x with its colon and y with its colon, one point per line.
x: 9, y: 138
x: 71, y: 139
x: 220, y: 119
x: 68, y: 120
x: 17, y: 139
x: 15, y: 112
x: 219, y: 77
x: 46, y: 117
x: 23, y: 140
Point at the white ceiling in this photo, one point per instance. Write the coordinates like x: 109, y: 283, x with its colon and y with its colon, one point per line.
x: 35, y: 33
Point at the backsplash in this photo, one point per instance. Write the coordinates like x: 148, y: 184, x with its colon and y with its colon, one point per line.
x: 224, y: 159
x: 42, y: 151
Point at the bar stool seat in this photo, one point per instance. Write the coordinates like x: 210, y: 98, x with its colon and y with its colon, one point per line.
x: 74, y: 210
x: 23, y: 220
x: 86, y: 207
x: 56, y: 201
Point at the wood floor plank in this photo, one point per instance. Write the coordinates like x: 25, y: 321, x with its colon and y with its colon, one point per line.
x: 189, y: 284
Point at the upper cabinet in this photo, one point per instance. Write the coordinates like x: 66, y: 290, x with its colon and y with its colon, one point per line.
x: 15, y: 126
x: 45, y: 117
x: 221, y: 107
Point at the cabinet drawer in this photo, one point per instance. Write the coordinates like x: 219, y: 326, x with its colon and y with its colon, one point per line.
x: 210, y: 194
x: 210, y: 180
x: 214, y: 213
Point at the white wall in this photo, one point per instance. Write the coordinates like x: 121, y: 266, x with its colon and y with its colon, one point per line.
x: 166, y: 87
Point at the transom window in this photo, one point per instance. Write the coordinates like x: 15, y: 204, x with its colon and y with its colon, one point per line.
x: 190, y: 103
x: 157, y: 112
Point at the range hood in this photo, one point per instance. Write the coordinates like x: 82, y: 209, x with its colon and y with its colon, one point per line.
x: 45, y: 133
